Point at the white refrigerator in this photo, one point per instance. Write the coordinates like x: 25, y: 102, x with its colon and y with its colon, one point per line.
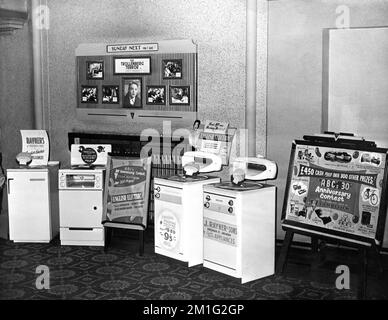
x: 33, y: 203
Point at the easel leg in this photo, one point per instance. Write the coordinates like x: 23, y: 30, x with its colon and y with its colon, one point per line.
x: 141, y: 242
x: 314, y: 244
x: 284, y: 252
x: 108, y: 237
x: 378, y: 258
x: 363, y: 274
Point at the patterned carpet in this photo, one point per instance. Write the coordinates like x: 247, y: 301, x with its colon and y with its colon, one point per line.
x: 120, y: 273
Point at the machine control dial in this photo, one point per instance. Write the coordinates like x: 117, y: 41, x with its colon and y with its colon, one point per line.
x: 157, y: 195
x: 206, y: 205
x: 208, y: 198
x: 157, y: 189
x: 230, y: 210
x: 230, y: 202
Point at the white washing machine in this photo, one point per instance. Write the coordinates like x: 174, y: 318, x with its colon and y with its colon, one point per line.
x: 239, y: 229
x: 178, y: 217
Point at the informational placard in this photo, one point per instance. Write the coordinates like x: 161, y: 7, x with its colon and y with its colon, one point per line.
x: 132, y: 65
x: 36, y: 143
x: 216, y: 137
x: 127, y: 190
x: 337, y: 190
x: 132, y: 47
x: 89, y: 154
x: 168, y: 230
x: 220, y: 231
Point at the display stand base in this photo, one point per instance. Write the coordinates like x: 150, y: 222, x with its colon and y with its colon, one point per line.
x: 108, y: 227
x: 363, y: 248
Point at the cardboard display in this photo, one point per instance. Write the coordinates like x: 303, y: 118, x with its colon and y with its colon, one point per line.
x: 337, y: 189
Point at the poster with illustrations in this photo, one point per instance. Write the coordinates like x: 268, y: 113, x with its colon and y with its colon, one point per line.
x: 336, y: 190
x: 36, y: 143
x: 127, y: 189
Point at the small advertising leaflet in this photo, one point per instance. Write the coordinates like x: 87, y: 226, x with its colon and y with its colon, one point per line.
x: 216, y: 138
x: 337, y: 189
x: 127, y: 189
x: 36, y: 143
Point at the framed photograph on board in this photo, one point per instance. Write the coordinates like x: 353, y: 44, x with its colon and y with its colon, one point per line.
x: 131, y: 65
x: 180, y: 95
x: 89, y: 94
x: 132, y: 92
x: 172, y: 69
x: 156, y: 95
x: 95, y: 70
x: 110, y: 94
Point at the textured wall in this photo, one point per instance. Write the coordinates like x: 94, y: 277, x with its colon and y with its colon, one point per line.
x: 217, y: 26
x: 16, y: 102
x: 294, y: 94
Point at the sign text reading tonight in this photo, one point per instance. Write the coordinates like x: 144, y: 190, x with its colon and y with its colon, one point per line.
x: 137, y: 47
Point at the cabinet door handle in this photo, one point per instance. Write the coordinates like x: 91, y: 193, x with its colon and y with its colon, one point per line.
x: 37, y: 179
x: 9, y: 185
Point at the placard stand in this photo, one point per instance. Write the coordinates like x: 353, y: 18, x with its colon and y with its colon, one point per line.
x: 124, y: 193
x: 363, y: 250
x: 327, y: 197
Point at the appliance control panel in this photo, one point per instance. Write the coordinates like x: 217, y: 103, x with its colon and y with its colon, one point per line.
x: 81, y: 180
x: 219, y: 203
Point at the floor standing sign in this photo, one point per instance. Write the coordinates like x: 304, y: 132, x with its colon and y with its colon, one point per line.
x: 127, y: 190
x: 336, y: 189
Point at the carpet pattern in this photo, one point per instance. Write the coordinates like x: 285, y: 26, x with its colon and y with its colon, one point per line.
x: 82, y: 272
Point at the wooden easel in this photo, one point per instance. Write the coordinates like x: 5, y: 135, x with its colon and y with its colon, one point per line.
x: 363, y: 248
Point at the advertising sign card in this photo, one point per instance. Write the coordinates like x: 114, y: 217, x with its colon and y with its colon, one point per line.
x: 89, y: 154
x: 36, y: 143
x: 216, y: 138
x: 336, y: 189
x: 127, y: 189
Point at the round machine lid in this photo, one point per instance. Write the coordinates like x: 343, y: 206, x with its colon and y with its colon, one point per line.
x: 239, y: 187
x: 182, y: 178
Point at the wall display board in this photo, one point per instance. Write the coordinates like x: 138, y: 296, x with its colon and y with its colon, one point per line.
x: 337, y: 189
x: 137, y: 82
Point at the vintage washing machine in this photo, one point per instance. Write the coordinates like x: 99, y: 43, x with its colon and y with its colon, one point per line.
x: 81, y: 194
x: 178, y: 220
x: 239, y: 222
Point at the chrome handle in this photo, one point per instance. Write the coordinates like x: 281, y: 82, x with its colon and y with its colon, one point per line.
x: 9, y: 185
x: 36, y: 179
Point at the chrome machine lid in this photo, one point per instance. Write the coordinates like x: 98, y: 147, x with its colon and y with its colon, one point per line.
x: 245, y: 186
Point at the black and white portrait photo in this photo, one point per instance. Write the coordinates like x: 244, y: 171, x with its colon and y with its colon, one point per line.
x: 132, y: 92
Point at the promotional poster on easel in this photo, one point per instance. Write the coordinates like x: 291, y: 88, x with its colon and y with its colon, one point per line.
x: 337, y: 188
x: 178, y: 198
